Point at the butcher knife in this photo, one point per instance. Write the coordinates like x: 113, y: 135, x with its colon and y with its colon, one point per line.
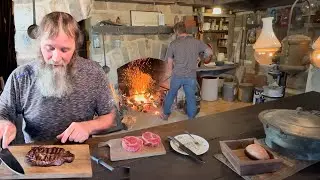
x: 10, y: 161
x: 186, y: 150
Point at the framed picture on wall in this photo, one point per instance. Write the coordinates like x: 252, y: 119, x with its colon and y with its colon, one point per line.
x: 144, y: 18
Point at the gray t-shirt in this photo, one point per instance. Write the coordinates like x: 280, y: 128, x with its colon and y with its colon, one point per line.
x: 185, y: 50
x: 46, y: 117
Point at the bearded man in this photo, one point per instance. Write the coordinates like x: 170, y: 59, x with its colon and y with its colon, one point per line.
x: 59, y: 94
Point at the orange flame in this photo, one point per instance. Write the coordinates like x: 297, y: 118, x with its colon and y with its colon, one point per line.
x: 140, y: 85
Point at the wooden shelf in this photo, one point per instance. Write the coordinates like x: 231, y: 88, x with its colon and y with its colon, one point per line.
x: 120, y: 30
x: 217, y: 15
x: 216, y: 31
x: 217, y: 36
x: 312, y: 25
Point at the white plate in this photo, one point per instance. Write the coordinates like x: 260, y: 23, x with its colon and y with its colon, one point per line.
x: 210, y: 64
x: 229, y: 62
x: 189, y: 143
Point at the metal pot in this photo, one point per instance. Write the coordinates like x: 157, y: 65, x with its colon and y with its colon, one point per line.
x: 33, y: 29
x: 293, y: 133
x: 273, y: 91
x: 294, y: 49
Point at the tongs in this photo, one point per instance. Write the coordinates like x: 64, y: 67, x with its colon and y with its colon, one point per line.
x: 122, y: 171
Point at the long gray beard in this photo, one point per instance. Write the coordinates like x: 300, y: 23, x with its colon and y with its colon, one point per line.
x: 54, y: 82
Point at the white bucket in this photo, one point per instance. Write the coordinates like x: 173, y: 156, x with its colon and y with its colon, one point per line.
x: 209, y: 88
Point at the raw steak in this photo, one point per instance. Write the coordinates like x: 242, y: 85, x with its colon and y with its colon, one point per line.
x: 151, y: 139
x: 132, y: 143
x: 45, y: 156
x: 256, y: 152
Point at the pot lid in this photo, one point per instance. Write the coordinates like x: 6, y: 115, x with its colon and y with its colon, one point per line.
x: 294, y: 122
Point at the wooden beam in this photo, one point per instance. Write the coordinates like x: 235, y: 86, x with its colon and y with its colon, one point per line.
x: 236, y: 4
x: 123, y: 30
x: 185, y: 2
x: 240, y: 6
x: 273, y: 3
x: 198, y: 3
x: 217, y: 15
x: 143, y: 1
x: 221, y: 2
x: 208, y: 3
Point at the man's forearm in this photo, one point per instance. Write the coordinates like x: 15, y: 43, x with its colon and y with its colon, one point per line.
x: 102, y: 122
x: 170, y: 65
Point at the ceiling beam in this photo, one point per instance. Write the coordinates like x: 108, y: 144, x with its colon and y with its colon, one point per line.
x: 220, y: 2
x: 273, y: 3
x: 236, y: 4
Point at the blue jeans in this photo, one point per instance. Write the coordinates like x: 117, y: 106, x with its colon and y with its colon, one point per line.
x: 189, y: 86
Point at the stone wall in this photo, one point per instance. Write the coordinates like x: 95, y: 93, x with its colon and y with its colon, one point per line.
x: 126, y: 48
x: 119, y: 50
x: 111, y: 10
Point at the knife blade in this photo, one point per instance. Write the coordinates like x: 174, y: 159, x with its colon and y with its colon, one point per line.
x: 11, y: 162
x: 186, y: 150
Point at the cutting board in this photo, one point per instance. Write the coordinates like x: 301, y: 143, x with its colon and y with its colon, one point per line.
x: 117, y: 153
x: 80, y: 167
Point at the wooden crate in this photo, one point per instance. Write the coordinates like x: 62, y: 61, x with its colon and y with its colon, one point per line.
x: 233, y: 150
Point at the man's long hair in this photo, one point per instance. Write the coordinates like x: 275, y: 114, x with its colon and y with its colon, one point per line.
x: 53, y: 22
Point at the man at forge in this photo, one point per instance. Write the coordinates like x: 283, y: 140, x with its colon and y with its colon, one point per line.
x: 181, y: 56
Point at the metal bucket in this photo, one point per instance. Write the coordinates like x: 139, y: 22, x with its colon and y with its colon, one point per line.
x: 220, y: 84
x: 245, y: 93
x: 229, y: 91
x: 272, y: 93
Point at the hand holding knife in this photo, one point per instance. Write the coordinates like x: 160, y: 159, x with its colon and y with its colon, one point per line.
x: 186, y: 150
x: 10, y: 161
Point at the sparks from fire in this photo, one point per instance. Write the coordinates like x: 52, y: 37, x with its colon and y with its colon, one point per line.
x: 141, y: 87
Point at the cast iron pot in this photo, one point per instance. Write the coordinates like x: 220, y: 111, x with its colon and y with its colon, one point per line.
x: 293, y: 133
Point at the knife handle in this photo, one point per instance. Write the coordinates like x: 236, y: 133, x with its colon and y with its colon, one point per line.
x: 101, y: 162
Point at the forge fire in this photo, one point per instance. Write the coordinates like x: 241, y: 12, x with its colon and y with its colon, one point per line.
x: 140, y: 91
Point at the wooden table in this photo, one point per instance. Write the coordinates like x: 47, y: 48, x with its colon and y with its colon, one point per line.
x: 240, y: 123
